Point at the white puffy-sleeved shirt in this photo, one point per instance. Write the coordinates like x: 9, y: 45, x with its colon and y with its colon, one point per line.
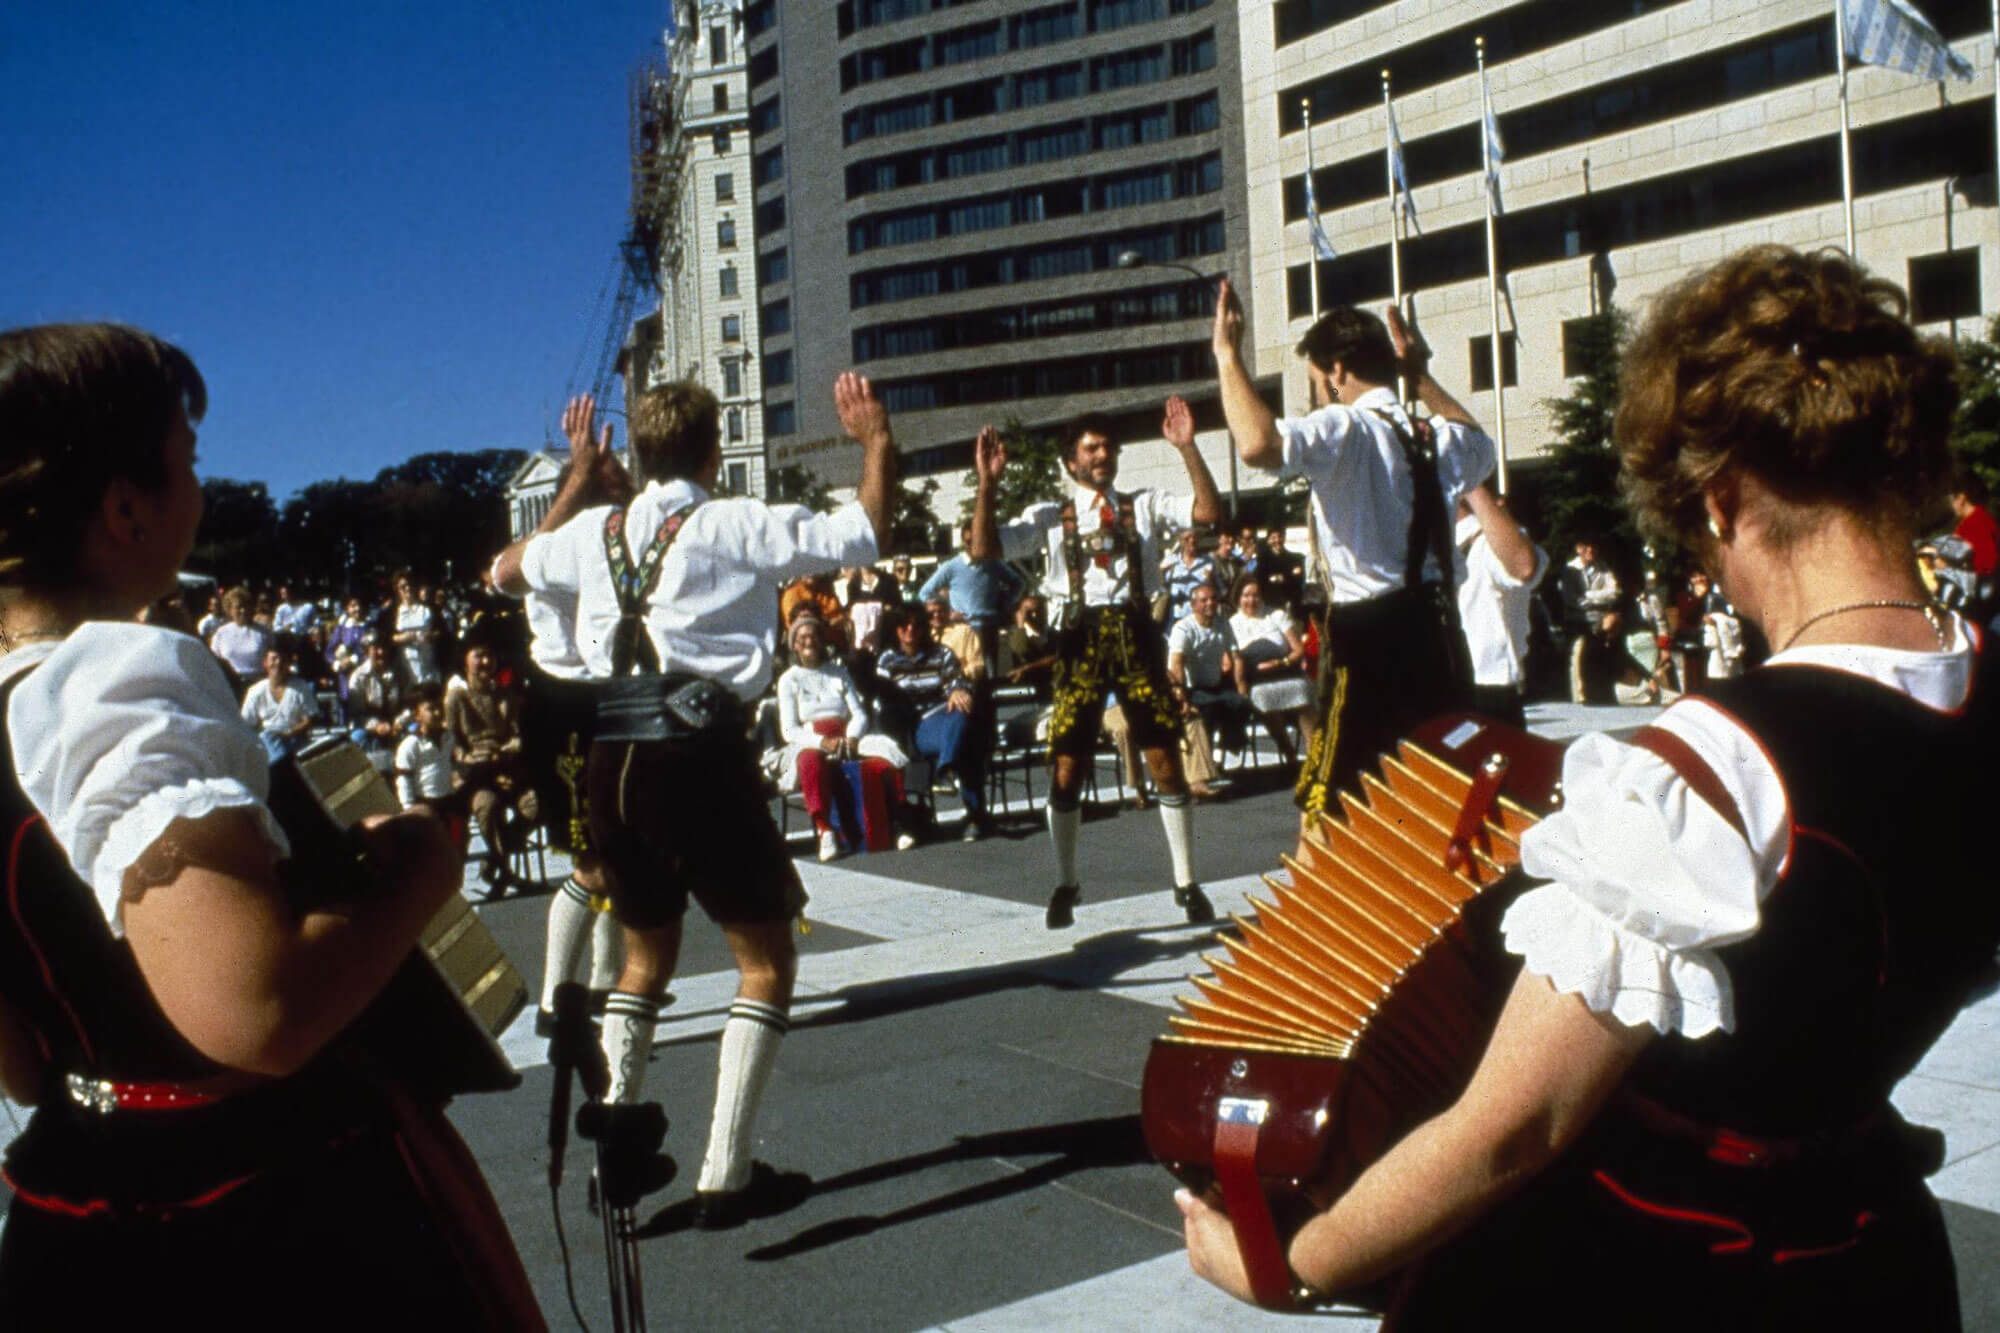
x: 1363, y: 491
x: 1493, y: 608
x: 714, y: 611
x: 118, y: 731
x: 1649, y: 881
x: 1157, y: 517
x: 552, y: 634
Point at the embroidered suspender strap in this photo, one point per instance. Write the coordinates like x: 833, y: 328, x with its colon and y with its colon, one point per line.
x: 1681, y: 757
x: 1074, y: 557
x: 1135, y: 570
x: 630, y: 645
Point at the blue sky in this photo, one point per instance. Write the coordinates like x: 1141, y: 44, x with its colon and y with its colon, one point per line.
x: 380, y: 229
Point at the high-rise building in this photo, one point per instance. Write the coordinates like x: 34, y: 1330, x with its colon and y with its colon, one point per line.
x: 993, y: 209
x: 694, y: 139
x: 1642, y: 139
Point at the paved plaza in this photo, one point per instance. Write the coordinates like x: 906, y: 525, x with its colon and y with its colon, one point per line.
x: 961, y: 1085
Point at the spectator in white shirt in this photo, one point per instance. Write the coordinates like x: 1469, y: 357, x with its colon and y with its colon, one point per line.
x: 417, y: 632
x: 1502, y: 570
x: 1273, y: 659
x: 240, y: 642
x: 280, y: 709
x: 1208, y: 672
x: 423, y: 760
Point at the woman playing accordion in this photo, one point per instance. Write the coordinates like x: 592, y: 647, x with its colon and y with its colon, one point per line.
x: 1748, y: 927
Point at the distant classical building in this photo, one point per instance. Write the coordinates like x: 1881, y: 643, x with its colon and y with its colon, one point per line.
x: 692, y: 182
x: 1643, y: 139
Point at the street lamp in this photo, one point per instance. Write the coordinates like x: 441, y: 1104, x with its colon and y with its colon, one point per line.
x: 1129, y: 259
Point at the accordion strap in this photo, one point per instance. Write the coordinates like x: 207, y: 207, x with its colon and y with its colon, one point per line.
x: 1239, y: 1123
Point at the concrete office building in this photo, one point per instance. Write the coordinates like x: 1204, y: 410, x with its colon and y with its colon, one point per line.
x: 1644, y: 139
x: 944, y: 191
x: 691, y: 168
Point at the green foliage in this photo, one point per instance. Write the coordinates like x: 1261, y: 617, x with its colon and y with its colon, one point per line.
x: 1580, y: 480
x: 1034, y: 472
x: 239, y: 523
x: 1975, y: 432
x: 797, y: 484
x: 914, y: 527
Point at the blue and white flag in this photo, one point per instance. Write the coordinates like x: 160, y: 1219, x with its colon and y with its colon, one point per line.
x: 1495, y: 151
x: 1322, y: 247
x: 1890, y: 33
x: 1399, y: 176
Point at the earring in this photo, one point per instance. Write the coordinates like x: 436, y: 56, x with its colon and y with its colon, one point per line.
x: 1714, y: 528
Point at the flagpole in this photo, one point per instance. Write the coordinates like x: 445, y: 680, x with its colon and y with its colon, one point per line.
x: 1996, y: 89
x: 1312, y: 244
x: 1395, y: 222
x: 1493, y: 264
x: 1846, y: 131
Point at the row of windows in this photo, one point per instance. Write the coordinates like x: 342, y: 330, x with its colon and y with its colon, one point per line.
x: 981, y: 328
x: 1022, y: 32
x: 852, y: 14
x: 1056, y: 83
x: 1048, y: 379
x: 1039, y: 203
x: 1176, y: 241
x: 1931, y: 146
x: 1294, y: 19
x: 1044, y: 143
x: 1662, y: 93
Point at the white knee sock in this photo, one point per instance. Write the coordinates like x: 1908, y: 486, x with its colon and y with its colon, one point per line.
x: 1177, y: 815
x: 1063, y: 825
x: 628, y: 1043
x: 569, y: 921
x: 750, y: 1042
x: 607, y: 951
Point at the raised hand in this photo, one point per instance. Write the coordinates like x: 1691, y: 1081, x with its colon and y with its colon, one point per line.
x: 1179, y: 424
x: 586, y: 454
x: 1413, y: 354
x: 989, y: 456
x: 1227, y: 336
x: 862, y: 414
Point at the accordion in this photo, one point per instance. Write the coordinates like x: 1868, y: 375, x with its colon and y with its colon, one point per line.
x: 1357, y: 1004
x: 434, y: 1029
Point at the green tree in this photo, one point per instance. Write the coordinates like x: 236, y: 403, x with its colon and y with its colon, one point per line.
x: 795, y: 483
x: 239, y: 531
x: 1975, y: 433
x: 1034, y: 471
x: 1580, y: 496
x: 914, y: 527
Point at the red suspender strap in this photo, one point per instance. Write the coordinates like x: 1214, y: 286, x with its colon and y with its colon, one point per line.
x: 1239, y: 1121
x: 1694, y: 770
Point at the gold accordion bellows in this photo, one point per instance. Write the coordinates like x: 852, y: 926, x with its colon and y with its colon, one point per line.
x: 1357, y: 1003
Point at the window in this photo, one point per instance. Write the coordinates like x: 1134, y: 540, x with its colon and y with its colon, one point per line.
x: 781, y: 418
x: 777, y: 368
x: 726, y: 280
x: 722, y: 97
x: 770, y: 166
x: 774, y: 267
x: 722, y: 143
x: 1057, y: 23
x: 739, y: 473
x: 718, y: 45
x: 725, y: 233
x: 764, y: 66
x: 732, y: 328
x: 765, y: 117
x: 771, y: 216
x: 732, y: 378
x: 725, y: 186
x: 778, y: 317
x: 1480, y: 349
x: 1944, y: 286
x: 733, y: 423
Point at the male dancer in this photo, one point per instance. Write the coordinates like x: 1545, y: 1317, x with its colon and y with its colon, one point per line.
x: 1382, y: 503
x: 1104, y: 551
x: 686, y: 586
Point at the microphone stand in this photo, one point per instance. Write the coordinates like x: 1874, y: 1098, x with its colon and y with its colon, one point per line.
x: 628, y: 1140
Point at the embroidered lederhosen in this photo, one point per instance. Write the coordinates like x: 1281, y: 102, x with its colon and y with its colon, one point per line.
x: 1392, y: 661
x: 1109, y: 648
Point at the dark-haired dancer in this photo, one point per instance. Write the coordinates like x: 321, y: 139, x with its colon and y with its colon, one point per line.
x: 200, y: 1151
x: 1382, y: 502
x: 676, y: 799
x: 1104, y: 550
x: 1753, y: 923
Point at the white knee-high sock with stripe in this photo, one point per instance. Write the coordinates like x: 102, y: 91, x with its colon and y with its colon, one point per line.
x: 1064, y: 821
x: 750, y: 1042
x: 628, y: 1043
x: 607, y: 950
x: 570, y: 922
x: 1177, y: 816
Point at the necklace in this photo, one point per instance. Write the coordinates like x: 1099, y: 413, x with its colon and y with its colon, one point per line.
x: 1889, y: 603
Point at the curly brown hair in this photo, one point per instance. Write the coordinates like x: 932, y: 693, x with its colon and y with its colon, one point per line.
x: 1800, y: 370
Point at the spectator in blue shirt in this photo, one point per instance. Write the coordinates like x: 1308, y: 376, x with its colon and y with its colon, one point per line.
x: 1184, y: 573
x: 982, y: 591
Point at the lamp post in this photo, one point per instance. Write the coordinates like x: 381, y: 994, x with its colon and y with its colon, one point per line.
x: 1130, y: 259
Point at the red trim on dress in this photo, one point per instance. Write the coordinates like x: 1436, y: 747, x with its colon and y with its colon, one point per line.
x: 28, y: 938
x: 1861, y: 1220
x: 1745, y: 1237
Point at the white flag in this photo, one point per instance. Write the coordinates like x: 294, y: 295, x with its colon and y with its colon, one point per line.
x: 1889, y: 32
x: 1496, y: 153
x: 1399, y: 175
x: 1322, y: 247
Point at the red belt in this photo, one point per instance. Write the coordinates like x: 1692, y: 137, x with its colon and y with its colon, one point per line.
x: 105, y: 1095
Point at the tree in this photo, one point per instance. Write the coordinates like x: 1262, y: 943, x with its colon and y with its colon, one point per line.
x: 1580, y: 496
x: 239, y: 529
x: 796, y: 484
x: 915, y: 524
x: 327, y: 531
x: 1034, y: 472
x: 1975, y: 432
x: 443, y: 514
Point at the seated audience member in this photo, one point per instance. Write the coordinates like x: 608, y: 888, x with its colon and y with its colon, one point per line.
x: 1186, y: 571
x: 926, y: 678
x: 1027, y: 651
x: 952, y: 631
x: 293, y: 615
x: 344, y: 647
x: 280, y: 708
x: 485, y: 726
x: 869, y: 584
x: 1208, y: 674
x: 906, y: 579
x: 1282, y: 574
x: 815, y: 593
x: 824, y: 724
x: 378, y: 696
x: 1273, y: 657
x: 424, y: 773
x: 240, y: 642
x: 213, y: 618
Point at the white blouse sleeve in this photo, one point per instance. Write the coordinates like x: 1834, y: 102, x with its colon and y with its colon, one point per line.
x: 857, y: 707
x: 1648, y: 879
x: 122, y: 730
x: 791, y: 720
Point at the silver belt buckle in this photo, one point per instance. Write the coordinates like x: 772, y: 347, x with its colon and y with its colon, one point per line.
x: 95, y: 1094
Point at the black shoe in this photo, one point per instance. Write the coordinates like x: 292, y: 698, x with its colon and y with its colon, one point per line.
x: 545, y: 1023
x: 768, y: 1193
x: 1062, y: 906
x: 1190, y: 898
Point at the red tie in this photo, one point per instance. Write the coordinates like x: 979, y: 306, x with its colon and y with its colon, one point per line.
x: 1107, y: 519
